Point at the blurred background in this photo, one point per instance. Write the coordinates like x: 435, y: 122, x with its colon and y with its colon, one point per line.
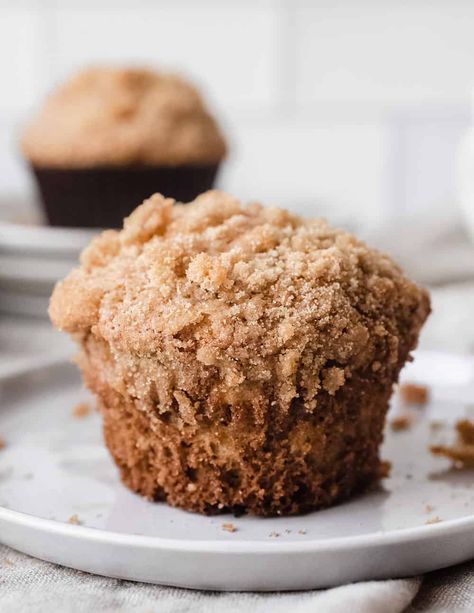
x: 358, y: 110
x: 355, y: 105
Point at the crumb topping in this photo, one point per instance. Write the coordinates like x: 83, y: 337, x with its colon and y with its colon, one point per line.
x: 113, y: 116
x: 226, y: 299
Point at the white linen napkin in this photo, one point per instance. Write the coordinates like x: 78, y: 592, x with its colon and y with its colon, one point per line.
x: 28, y: 585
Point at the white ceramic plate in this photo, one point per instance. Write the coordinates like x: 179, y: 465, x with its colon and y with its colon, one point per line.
x: 32, y: 258
x: 54, y: 466
x: 35, y: 238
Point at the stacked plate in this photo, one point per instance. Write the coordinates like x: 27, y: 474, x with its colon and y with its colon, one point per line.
x: 32, y: 258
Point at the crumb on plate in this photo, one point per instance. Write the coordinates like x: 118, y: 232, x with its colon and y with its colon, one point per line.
x: 229, y: 527
x: 401, y: 422
x: 461, y: 452
x: 82, y: 409
x: 3, y: 443
x: 384, y: 469
x: 274, y: 534
x: 302, y: 531
x: 465, y: 430
x: 74, y: 519
x: 414, y: 394
x: 433, y: 520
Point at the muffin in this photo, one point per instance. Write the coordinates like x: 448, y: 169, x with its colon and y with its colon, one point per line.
x: 109, y: 137
x: 242, y: 357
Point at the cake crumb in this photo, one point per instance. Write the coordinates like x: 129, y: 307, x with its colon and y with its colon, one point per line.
x: 414, y: 394
x: 302, y: 531
x: 401, y: 422
x: 229, y: 527
x: 3, y: 443
x: 81, y: 410
x: 429, y: 508
x: 384, y: 469
x: 74, y: 519
x: 274, y: 534
x: 433, y: 520
x: 465, y: 430
x: 461, y: 453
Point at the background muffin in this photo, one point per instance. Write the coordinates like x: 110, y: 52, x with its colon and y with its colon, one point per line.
x: 109, y: 137
x: 242, y: 358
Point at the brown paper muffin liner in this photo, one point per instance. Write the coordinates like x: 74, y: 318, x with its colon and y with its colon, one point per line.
x: 102, y: 197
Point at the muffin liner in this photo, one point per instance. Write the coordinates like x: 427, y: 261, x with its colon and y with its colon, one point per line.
x: 102, y: 197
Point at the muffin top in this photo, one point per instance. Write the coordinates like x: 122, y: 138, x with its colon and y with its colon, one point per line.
x: 115, y: 117
x: 243, y: 294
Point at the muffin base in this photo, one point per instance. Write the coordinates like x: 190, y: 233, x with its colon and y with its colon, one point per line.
x: 102, y: 197
x: 290, y: 465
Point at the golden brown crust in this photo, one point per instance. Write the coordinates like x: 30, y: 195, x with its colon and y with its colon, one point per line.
x: 242, y: 357
x: 117, y: 117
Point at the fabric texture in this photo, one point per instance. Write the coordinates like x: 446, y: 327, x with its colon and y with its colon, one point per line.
x: 450, y: 589
x: 33, y: 586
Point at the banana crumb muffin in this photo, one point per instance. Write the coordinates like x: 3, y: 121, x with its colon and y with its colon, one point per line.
x: 108, y: 137
x: 242, y: 357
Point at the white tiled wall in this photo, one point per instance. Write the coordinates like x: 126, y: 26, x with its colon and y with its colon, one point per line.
x: 389, y: 51
x: 350, y: 107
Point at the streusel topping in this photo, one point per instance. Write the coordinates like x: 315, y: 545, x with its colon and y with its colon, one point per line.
x: 107, y: 116
x: 248, y: 293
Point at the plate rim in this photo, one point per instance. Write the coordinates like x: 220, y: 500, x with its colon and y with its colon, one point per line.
x: 399, y: 536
